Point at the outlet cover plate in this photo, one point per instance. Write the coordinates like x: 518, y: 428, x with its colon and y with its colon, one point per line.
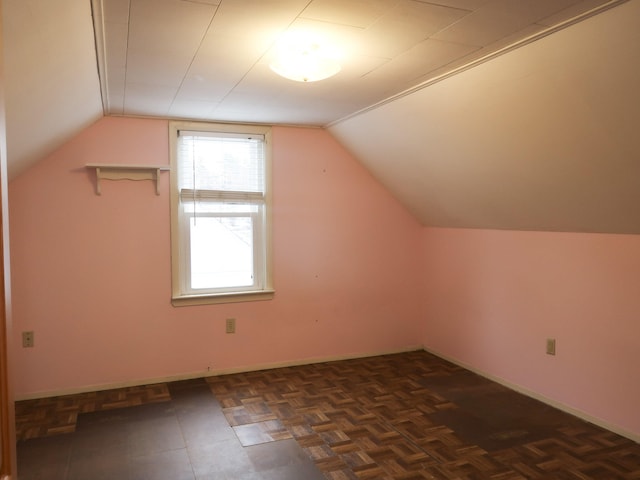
x: 230, y: 326
x: 551, y: 346
x: 27, y: 339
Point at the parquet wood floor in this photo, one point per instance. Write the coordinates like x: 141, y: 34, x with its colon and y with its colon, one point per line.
x: 56, y: 415
x: 410, y: 416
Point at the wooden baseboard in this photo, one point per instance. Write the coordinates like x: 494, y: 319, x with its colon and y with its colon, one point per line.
x: 210, y: 373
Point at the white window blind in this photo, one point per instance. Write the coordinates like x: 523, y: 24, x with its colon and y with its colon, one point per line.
x: 223, y: 163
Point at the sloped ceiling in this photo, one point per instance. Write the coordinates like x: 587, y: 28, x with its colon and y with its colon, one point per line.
x: 51, y: 84
x: 542, y: 138
x: 539, y: 138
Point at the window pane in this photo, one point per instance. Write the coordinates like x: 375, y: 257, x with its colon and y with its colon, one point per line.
x: 221, y: 252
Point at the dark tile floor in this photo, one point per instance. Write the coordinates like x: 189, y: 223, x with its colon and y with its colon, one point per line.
x: 185, y: 438
x: 410, y: 416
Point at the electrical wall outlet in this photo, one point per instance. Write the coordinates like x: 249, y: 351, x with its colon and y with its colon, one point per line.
x: 551, y: 346
x: 230, y: 325
x: 27, y: 339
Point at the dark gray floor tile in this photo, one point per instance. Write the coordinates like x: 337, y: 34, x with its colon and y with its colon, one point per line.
x: 168, y: 465
x: 199, y: 393
x: 200, y: 403
x: 155, y: 435
x: 302, y: 471
x: 44, y: 458
x: 100, y: 438
x: 187, y: 387
x: 268, y: 456
x: 204, y: 429
x: 220, y: 460
x: 99, y: 466
x: 42, y: 471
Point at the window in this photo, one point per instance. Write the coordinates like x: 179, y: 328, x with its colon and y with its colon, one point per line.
x: 219, y: 213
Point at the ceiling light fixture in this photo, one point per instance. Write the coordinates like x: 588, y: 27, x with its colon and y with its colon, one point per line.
x: 303, y: 59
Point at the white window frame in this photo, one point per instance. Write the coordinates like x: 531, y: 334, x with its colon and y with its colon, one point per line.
x: 180, y: 246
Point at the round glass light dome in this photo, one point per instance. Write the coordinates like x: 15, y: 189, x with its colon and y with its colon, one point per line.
x: 304, y: 60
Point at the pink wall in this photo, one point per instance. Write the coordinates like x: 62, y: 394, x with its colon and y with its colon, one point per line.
x: 494, y: 297
x: 91, y: 274
x: 354, y: 274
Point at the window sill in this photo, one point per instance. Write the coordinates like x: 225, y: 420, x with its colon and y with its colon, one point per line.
x: 232, y: 297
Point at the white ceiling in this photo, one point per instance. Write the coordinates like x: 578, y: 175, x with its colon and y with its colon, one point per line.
x: 474, y: 113
x: 209, y: 59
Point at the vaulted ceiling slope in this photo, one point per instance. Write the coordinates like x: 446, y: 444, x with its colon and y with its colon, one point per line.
x: 545, y: 137
x: 51, y: 81
x: 536, y: 137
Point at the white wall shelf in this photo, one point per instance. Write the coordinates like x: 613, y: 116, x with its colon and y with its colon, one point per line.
x: 127, y: 172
